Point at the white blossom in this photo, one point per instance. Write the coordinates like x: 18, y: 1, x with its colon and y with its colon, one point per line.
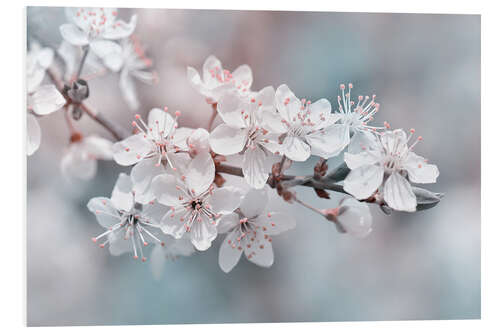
x: 244, y: 131
x: 96, y: 27
x: 385, y: 166
x: 128, y: 228
x: 250, y: 229
x: 195, y: 206
x: 306, y: 128
x: 80, y: 159
x: 217, y: 81
x: 38, y: 59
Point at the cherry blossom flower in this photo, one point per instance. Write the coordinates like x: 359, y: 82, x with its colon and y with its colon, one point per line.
x: 96, y: 27
x: 173, y: 249
x: 217, y: 80
x: 153, y: 149
x: 385, y: 166
x: 249, y: 229
x: 195, y: 206
x: 352, y: 217
x: 43, y: 101
x: 128, y: 227
x: 355, y: 118
x: 132, y: 63
x: 80, y: 159
x: 38, y: 59
x: 306, y: 128
x: 244, y: 131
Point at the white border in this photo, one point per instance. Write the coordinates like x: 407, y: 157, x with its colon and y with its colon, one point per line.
x: 13, y: 183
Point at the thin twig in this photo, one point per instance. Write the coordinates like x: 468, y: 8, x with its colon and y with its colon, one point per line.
x: 82, y: 61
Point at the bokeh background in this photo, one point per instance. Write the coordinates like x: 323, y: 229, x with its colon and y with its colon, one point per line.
x: 425, y: 70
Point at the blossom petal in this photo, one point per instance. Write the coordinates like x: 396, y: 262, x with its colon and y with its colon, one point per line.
x: 157, y: 260
x: 73, y: 35
x: 198, y: 141
x: 225, y: 200
x: 319, y: 110
x: 200, y: 173
x: 172, y: 224
x: 419, y: 170
x: 275, y: 223
x: 98, y: 147
x: 255, y: 167
x: 272, y: 121
x: 78, y: 163
x: 131, y: 150
x: 362, y: 182
x: 287, y: 103
x: 47, y: 99
x: 118, y: 245
x: 34, y: 134
x: 260, y: 251
x: 143, y: 173
x: 202, y: 234
x: 362, y: 141
x: 103, y: 48
x: 121, y: 29
x: 165, y: 191
x: 329, y: 142
x: 229, y: 255
x: 160, y: 123
x: 227, y: 140
x: 229, y: 107
x: 355, y: 161
x: 211, y: 64
x: 254, y: 202
x: 243, y: 76
x: 296, y: 149
x: 227, y: 222
x: 104, y: 210
x: 355, y: 218
x: 122, y: 196
x: 398, y: 193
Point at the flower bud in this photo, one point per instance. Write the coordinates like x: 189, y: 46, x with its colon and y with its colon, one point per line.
x: 352, y: 217
x: 78, y: 91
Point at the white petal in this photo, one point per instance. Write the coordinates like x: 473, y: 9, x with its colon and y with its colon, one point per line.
x: 118, y: 245
x: 73, y: 35
x: 211, y: 64
x: 260, y: 251
x: 355, y: 161
x: 275, y: 223
x: 321, y: 109
x: 171, y: 223
x: 114, y: 61
x: 78, y: 163
x: 200, y: 174
x: 362, y: 141
x: 154, y: 212
x: 362, y: 182
x: 161, y: 123
x: 179, y: 247
x: 398, y: 193
x: 418, y: 169
x: 34, y: 134
x: 287, y: 103
x: 243, y: 76
x: 227, y: 140
x: 104, y: 211
x: 122, y: 196
x: 229, y: 255
x: 45, y: 57
x: 121, y: 29
x: 131, y: 150
x: 103, y: 48
x: 254, y: 202
x: 143, y: 172
x: 229, y: 107
x: 296, y: 149
x: 255, y: 167
x: 202, y: 234
x: 394, y: 141
x: 198, y: 141
x: 98, y: 147
x: 329, y: 142
x: 227, y: 222
x: 225, y: 200
x: 272, y: 121
x: 164, y: 189
x: 356, y: 218
x: 47, y: 99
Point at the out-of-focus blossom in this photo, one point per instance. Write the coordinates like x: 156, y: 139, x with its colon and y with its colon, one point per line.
x: 80, y: 159
x: 128, y: 228
x: 249, y: 229
x: 306, y: 128
x: 132, y: 64
x: 355, y: 118
x: 196, y: 206
x: 352, y: 217
x: 72, y: 55
x: 96, y: 27
x: 38, y: 59
x: 153, y: 149
x: 43, y: 101
x: 216, y: 80
x: 173, y: 249
x: 385, y: 166
x: 244, y: 131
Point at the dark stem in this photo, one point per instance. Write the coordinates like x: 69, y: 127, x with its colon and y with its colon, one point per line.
x: 86, y: 49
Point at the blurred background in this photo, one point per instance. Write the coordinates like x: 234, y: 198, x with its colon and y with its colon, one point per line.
x: 425, y: 70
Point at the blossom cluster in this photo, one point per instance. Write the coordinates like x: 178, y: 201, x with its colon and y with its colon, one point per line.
x: 175, y: 196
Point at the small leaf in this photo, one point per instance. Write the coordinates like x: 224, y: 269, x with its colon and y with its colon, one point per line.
x: 426, y: 199
x: 339, y: 173
x: 322, y: 193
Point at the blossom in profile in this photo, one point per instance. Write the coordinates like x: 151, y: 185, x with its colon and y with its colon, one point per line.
x: 195, y: 205
x: 80, y: 159
x: 215, y: 80
x: 244, y: 131
x: 38, y: 59
x: 351, y: 217
x: 250, y: 229
x: 387, y: 166
x: 129, y: 227
x: 306, y: 128
x: 96, y: 27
